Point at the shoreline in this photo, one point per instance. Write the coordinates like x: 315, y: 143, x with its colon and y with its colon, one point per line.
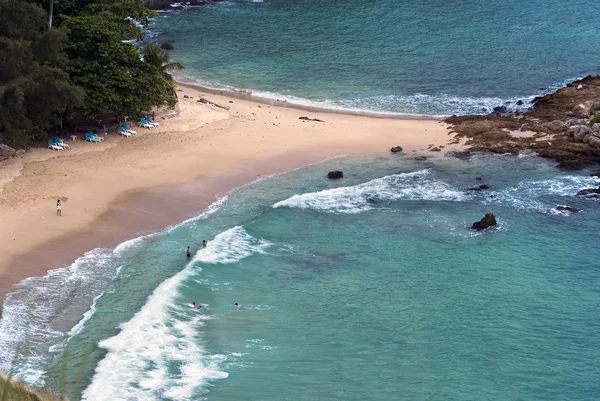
x: 118, y: 190
x: 249, y: 96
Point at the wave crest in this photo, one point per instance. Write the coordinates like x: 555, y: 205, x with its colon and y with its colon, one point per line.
x: 418, y: 185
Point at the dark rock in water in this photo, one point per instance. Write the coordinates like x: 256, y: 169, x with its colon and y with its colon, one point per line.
x: 310, y: 119
x: 371, y: 201
x: 462, y: 154
x: 591, y: 192
x: 436, y: 149
x: 421, y: 158
x: 488, y: 220
x: 570, y: 209
x: 396, y: 149
x: 334, y: 175
x: 519, y: 102
x: 595, y: 174
x: 477, y: 178
x: 571, y: 164
x: 479, y: 188
x: 166, y: 46
x: 500, y: 110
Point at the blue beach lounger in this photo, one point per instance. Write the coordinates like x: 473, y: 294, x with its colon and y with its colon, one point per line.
x: 60, y: 142
x: 89, y: 136
x: 53, y: 146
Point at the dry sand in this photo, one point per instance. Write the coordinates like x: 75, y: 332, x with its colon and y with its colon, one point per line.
x: 122, y: 187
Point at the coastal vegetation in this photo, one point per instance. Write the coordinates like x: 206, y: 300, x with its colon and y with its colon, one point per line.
x: 16, y: 391
x: 62, y: 60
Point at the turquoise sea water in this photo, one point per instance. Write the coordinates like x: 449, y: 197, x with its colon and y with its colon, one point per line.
x: 416, y: 57
x: 347, y: 298
x: 344, y: 298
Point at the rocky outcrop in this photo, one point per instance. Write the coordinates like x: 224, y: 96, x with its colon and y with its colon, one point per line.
x: 558, y: 126
x: 583, y: 110
x: 489, y: 220
x: 335, y: 175
x: 396, y: 149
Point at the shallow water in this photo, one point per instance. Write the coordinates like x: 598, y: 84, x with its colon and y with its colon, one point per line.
x: 412, y: 57
x: 343, y: 298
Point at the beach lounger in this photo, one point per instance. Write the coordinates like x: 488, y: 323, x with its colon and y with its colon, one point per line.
x: 128, y: 129
x: 96, y: 136
x: 123, y: 132
x: 53, y: 146
x: 60, y: 142
x: 149, y: 121
x: 144, y: 124
x: 89, y: 136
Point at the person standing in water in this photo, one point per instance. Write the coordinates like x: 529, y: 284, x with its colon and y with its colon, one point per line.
x: 203, y: 243
x: 188, y: 252
x: 58, y: 208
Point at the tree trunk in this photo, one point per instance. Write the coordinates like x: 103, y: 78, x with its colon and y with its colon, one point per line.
x: 51, y: 11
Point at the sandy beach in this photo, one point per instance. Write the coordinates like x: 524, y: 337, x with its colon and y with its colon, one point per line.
x: 122, y: 187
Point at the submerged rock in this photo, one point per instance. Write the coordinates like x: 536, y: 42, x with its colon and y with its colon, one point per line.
x: 488, y: 220
x: 590, y: 192
x: 334, y: 175
x: 371, y: 201
x: 480, y: 188
x: 396, y: 149
x: 167, y: 46
x: 570, y: 209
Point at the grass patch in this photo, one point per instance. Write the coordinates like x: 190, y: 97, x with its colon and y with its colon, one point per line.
x: 16, y: 391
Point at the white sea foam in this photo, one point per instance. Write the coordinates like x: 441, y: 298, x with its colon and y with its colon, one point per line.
x: 419, y: 104
x: 29, y: 314
x: 418, y: 185
x: 528, y: 195
x: 156, y: 355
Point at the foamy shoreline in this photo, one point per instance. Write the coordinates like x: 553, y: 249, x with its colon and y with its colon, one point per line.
x: 116, y: 190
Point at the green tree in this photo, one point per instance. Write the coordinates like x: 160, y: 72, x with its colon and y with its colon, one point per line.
x: 32, y: 62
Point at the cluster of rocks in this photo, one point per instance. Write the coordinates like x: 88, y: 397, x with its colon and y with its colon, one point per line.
x: 561, y: 126
x: 579, y: 130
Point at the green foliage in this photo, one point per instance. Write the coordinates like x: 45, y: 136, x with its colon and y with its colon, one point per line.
x: 15, y: 391
x: 595, y: 120
x: 86, y: 65
x: 31, y: 73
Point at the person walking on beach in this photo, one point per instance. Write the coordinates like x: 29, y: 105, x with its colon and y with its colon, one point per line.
x: 188, y: 252
x: 203, y: 243
x: 58, y: 208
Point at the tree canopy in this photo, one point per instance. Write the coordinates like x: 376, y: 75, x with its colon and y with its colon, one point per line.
x: 85, y: 65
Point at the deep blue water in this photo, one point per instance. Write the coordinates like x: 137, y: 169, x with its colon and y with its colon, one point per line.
x: 344, y: 298
x: 417, y: 57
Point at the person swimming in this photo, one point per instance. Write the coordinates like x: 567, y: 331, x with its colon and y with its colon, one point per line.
x: 196, y: 306
x: 203, y: 243
x: 238, y: 305
x: 189, y: 253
